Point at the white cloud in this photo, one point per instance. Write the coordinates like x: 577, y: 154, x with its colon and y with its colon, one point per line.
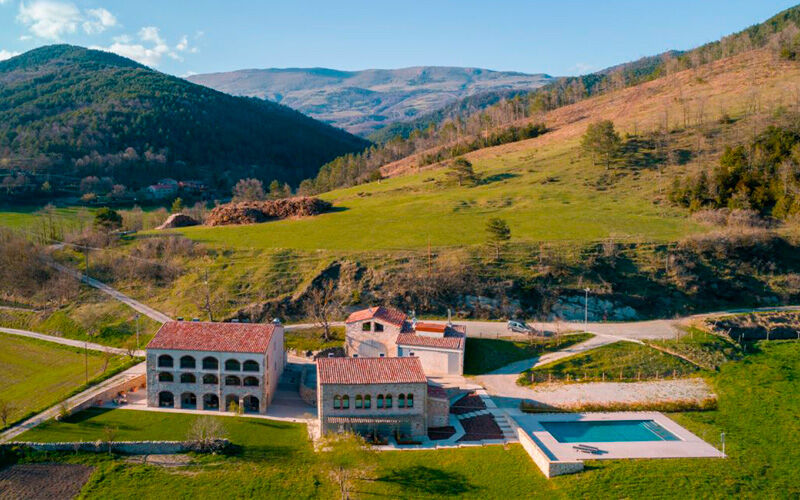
x: 149, y: 48
x: 188, y: 74
x: 582, y: 68
x: 49, y: 19
x: 5, y: 54
x: 25, y: 38
x: 98, y: 20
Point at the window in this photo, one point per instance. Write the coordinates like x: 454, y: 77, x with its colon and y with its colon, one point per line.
x: 411, y: 353
x: 250, y: 381
x: 210, y: 379
x: 367, y: 402
x: 210, y: 363
x: 382, y: 355
x: 355, y: 355
x: 250, y: 366
x: 345, y: 402
x: 232, y: 365
x: 232, y: 380
x: 165, y: 361
x: 337, y: 402
x: 410, y: 401
x: 187, y: 362
x: 366, y: 326
x: 165, y: 377
x: 188, y: 378
x: 378, y: 327
x: 359, y: 402
x: 388, y: 401
x: 379, y: 402
x: 401, y: 401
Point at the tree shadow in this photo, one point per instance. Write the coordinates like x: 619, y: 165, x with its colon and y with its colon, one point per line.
x: 498, y: 177
x: 421, y: 479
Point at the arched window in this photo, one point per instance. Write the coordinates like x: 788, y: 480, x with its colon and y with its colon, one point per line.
x: 187, y: 362
x: 166, y: 399
x: 401, y: 401
x: 165, y: 377
x: 337, y: 402
x: 380, y: 401
x: 410, y: 401
x: 388, y: 401
x: 250, y: 381
x: 232, y: 402
x: 210, y: 363
x: 359, y: 402
x: 251, y: 404
x: 250, y: 366
x: 367, y: 402
x: 345, y: 402
x: 232, y: 380
x: 165, y: 361
x: 232, y: 365
x: 210, y: 379
x: 188, y: 400
x: 188, y: 378
x: 210, y: 402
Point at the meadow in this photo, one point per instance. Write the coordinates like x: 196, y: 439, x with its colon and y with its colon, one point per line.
x: 35, y: 375
x: 756, y: 411
x: 485, y: 355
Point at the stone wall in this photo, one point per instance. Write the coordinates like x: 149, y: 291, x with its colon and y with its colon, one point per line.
x: 371, y: 343
x: 131, y: 385
x: 124, y: 447
x: 438, y: 412
x: 547, y: 464
x: 308, y: 393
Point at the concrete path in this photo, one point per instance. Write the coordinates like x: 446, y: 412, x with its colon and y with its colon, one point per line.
x: 89, y: 393
x: 136, y: 305
x: 70, y: 342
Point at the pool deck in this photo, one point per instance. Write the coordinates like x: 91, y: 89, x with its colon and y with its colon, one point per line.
x: 687, y: 446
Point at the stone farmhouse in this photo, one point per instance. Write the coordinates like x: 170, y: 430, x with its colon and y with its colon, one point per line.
x: 213, y: 366
x: 378, y: 396
x: 386, y: 332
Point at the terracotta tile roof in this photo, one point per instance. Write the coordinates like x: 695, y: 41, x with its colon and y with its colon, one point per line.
x: 436, y: 392
x: 387, y: 314
x: 430, y: 327
x: 370, y: 371
x: 204, y: 336
x: 454, y: 341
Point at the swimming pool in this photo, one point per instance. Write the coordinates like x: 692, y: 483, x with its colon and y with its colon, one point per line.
x: 607, y: 431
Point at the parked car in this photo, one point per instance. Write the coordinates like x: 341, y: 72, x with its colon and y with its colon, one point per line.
x: 518, y: 326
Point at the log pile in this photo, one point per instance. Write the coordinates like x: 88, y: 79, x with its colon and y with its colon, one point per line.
x: 250, y: 212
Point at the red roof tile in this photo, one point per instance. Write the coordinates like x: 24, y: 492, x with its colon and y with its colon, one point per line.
x: 204, y: 336
x: 370, y: 371
x: 454, y: 341
x: 387, y: 314
x: 430, y: 327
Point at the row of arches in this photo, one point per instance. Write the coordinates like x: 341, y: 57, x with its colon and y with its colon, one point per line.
x: 209, y: 379
x: 188, y: 400
x: 365, y: 402
x: 208, y: 363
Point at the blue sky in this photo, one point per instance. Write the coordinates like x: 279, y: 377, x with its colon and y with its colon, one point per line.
x: 556, y: 37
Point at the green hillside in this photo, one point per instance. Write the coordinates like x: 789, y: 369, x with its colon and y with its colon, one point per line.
x: 75, y: 112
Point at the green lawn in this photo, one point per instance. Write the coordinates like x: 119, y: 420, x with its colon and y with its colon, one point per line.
x: 310, y: 339
x: 621, y: 361
x: 547, y: 194
x: 35, y: 375
x: 757, y: 410
x: 486, y: 355
x: 705, y: 349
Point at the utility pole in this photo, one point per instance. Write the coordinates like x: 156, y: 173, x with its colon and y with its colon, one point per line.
x: 722, y: 437
x: 208, y: 297
x: 586, y: 307
x: 86, y: 360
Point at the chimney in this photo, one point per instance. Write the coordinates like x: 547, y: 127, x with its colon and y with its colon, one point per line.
x: 449, y: 318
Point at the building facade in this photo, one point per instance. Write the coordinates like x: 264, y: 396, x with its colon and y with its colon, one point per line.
x: 215, y: 366
x: 384, y: 331
x: 372, y: 396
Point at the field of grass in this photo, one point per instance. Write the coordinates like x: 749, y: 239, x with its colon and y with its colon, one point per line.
x: 486, y: 355
x: 707, y: 350
x: 756, y: 411
x: 35, y: 375
x: 310, y: 339
x: 621, y: 361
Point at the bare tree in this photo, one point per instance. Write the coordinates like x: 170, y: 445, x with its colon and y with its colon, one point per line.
x: 322, y: 306
x: 206, y: 434
x: 6, y: 408
x: 348, y: 458
x: 110, y: 435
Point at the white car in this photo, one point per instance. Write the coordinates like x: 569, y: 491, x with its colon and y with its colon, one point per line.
x: 519, y: 327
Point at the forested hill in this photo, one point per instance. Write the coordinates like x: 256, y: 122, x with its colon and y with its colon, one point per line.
x: 77, y: 112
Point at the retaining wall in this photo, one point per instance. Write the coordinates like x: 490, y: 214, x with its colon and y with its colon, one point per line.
x: 125, y: 447
x: 547, y: 464
x: 138, y: 383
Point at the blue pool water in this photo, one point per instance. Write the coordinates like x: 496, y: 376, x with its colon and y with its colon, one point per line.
x: 608, y: 431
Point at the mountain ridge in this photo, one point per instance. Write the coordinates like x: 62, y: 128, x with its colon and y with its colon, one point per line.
x: 363, y: 101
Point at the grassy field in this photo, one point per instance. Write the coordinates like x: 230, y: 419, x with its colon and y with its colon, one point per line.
x: 485, y: 355
x: 310, y: 339
x: 621, y: 361
x: 35, y: 375
x: 707, y: 350
x: 756, y: 411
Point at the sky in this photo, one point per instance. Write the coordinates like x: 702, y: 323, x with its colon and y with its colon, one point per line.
x: 565, y: 37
